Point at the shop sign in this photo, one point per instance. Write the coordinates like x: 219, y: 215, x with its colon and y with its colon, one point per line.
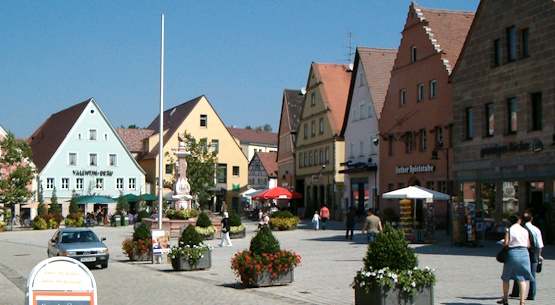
x: 511, y: 147
x: 411, y: 169
x: 93, y: 173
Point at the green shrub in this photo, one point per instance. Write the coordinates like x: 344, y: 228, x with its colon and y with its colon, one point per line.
x: 190, y: 236
x: 264, y: 242
x: 234, y: 219
x: 181, y: 214
x: 203, y: 220
x: 390, y: 249
x: 142, y: 232
x: 79, y: 222
x: 70, y: 222
x: 282, y: 214
x: 52, y: 224
x: 142, y: 214
x: 39, y: 224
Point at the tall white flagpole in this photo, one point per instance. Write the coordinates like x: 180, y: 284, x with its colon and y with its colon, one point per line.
x: 161, y: 131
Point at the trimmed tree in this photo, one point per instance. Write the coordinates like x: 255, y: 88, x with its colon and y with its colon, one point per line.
x: 54, y: 206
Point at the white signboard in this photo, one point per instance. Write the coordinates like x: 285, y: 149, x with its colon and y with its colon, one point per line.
x: 60, y: 280
x: 160, y: 242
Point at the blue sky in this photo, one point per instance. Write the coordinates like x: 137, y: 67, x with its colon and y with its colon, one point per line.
x: 239, y: 54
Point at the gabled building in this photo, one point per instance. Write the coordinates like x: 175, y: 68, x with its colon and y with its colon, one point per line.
x: 198, y: 118
x: 504, y: 111
x: 290, y: 116
x: 371, y: 73
x: 78, y: 150
x: 252, y: 141
x: 319, y: 149
x: 417, y: 116
x: 263, y: 170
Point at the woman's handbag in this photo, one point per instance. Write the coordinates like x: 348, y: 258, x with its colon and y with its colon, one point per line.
x: 503, y: 255
x: 539, y: 267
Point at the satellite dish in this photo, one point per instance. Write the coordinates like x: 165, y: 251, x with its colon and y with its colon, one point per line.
x: 303, y: 90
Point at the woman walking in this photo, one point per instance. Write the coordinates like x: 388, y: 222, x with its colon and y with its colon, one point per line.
x: 517, y: 266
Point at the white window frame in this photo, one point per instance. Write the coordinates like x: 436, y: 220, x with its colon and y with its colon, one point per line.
x: 421, y: 90
x: 99, y: 184
x: 79, y: 182
x: 132, y: 183
x: 93, y: 159
x: 433, y: 89
x: 64, y: 183
x: 93, y: 134
x: 115, y: 157
x: 50, y: 183
x: 70, y: 159
x: 120, y: 183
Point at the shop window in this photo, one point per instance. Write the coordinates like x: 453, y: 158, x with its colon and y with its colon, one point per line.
x: 487, y: 196
x: 510, y: 197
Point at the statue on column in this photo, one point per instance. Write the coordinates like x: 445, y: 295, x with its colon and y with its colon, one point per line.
x: 181, y: 198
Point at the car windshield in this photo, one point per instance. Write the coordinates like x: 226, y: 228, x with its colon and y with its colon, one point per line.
x: 78, y: 237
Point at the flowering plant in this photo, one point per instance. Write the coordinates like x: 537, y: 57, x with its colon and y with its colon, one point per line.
x: 139, y: 247
x: 390, y: 262
x: 3, y: 224
x: 237, y: 229
x: 283, y: 220
x: 264, y: 255
x: 192, y: 253
x: 205, y: 231
x: 245, y: 264
x: 407, y: 280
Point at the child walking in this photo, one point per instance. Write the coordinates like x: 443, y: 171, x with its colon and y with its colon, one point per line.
x: 316, y: 220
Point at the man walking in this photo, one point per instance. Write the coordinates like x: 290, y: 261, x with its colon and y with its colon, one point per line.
x: 324, y: 215
x: 535, y: 251
x: 372, y: 225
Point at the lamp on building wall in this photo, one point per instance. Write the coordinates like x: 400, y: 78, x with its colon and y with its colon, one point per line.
x: 445, y: 150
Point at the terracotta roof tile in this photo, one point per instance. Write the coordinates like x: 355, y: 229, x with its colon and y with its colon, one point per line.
x: 253, y: 136
x: 49, y: 136
x: 268, y: 160
x: 448, y: 30
x: 133, y: 138
x: 335, y: 90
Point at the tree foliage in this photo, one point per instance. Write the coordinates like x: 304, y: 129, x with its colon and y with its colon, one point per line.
x: 54, y: 206
x: 201, y: 164
x: 41, y: 208
x: 73, y: 207
x: 18, y: 173
x: 122, y: 206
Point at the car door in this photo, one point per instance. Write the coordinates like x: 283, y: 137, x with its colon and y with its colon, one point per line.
x: 52, y: 244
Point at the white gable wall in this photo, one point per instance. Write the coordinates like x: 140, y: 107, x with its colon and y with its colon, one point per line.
x: 77, y: 142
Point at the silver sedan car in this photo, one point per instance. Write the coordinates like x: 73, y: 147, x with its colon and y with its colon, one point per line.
x: 80, y: 244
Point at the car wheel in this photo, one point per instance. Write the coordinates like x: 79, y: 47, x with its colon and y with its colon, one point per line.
x: 103, y: 266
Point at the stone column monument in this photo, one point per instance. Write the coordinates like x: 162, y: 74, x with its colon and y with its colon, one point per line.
x: 181, y: 198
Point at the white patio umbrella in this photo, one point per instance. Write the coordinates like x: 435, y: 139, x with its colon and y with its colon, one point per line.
x: 415, y: 192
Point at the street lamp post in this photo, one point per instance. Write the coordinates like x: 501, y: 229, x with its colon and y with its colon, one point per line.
x: 445, y: 150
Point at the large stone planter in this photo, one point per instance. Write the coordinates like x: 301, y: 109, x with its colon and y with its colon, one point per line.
x: 240, y: 234
x: 384, y: 296
x: 179, y: 263
x: 274, y: 228
x: 140, y: 257
x: 207, y: 237
x: 264, y: 279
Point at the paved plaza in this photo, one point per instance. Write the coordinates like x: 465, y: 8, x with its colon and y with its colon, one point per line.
x: 465, y: 276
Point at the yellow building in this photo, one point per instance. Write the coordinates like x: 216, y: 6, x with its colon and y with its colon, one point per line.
x: 198, y: 118
x: 319, y: 148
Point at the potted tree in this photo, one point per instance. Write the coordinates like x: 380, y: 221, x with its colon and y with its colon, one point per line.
x: 390, y: 274
x: 237, y: 229
x: 139, y: 247
x: 265, y: 264
x: 191, y: 253
x: 204, y: 227
x: 284, y: 220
